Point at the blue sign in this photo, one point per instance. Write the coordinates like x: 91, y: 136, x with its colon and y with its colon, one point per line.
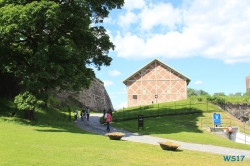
x: 216, y: 119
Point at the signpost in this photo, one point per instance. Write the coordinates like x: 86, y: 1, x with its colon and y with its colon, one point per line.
x: 216, y: 119
x: 140, y: 121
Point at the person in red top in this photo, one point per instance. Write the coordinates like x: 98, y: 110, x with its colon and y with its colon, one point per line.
x: 230, y: 130
x: 108, y: 120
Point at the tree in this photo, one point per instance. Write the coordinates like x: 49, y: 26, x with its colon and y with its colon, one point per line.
x: 54, y: 43
x: 247, y: 93
x: 237, y: 94
x: 193, y: 92
x: 219, y: 94
x: 202, y: 93
x: 27, y: 102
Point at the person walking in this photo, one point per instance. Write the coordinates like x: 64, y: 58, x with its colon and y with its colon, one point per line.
x: 108, y: 120
x: 230, y: 131
x: 76, y: 114
x: 82, y: 114
x: 88, y: 112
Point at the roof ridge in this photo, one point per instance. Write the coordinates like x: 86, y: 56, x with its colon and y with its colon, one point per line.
x: 167, y: 66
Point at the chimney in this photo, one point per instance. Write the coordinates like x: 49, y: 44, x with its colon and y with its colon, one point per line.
x: 248, y: 83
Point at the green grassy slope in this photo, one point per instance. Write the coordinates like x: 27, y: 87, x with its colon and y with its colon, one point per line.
x: 191, y: 127
x: 53, y: 140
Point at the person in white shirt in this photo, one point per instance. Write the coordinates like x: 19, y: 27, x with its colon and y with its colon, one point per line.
x: 76, y: 114
x: 88, y: 112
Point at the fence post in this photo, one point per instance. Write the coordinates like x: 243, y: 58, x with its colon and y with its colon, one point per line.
x: 140, y: 109
x: 158, y: 109
x: 123, y: 114
x: 190, y: 106
x: 201, y: 123
x: 207, y: 106
x: 69, y: 114
x: 175, y: 107
x: 245, y: 132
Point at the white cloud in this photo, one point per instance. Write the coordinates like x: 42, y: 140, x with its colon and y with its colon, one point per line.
x: 129, y: 45
x: 109, y: 20
x: 212, y: 29
x: 127, y: 19
x: 114, y: 73
x: 159, y: 14
x: 108, y: 83
x: 198, y: 83
x: 134, y: 4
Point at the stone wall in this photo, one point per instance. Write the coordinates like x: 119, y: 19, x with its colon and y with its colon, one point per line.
x: 240, y: 110
x: 96, y: 97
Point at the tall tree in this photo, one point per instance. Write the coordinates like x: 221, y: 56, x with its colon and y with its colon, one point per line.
x: 194, y: 92
x: 247, y: 93
x: 219, y: 94
x: 54, y: 43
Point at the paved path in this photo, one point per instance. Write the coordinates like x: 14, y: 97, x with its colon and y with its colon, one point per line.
x: 94, y: 126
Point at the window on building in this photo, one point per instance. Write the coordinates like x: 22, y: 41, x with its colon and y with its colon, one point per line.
x: 134, y: 96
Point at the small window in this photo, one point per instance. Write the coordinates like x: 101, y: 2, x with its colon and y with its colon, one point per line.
x: 134, y: 96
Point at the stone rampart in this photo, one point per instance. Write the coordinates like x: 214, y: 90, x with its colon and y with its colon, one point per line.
x: 96, y: 97
x: 240, y: 110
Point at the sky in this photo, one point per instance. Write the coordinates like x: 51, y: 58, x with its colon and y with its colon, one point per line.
x: 206, y: 40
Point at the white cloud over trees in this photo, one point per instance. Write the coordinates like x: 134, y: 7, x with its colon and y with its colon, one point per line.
x: 211, y: 29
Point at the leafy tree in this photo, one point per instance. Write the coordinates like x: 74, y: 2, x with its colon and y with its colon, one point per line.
x: 235, y: 94
x: 193, y: 92
x: 219, y: 94
x: 202, y: 93
x: 46, y: 44
x: 247, y: 93
x: 27, y: 102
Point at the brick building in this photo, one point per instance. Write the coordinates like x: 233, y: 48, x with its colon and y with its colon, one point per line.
x: 248, y: 83
x: 156, y: 82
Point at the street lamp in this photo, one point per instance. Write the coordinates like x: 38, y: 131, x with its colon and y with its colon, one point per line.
x: 156, y: 96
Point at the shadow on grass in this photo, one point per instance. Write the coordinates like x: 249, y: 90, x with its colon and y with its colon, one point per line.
x: 53, y: 130
x: 174, y: 151
x: 164, y: 125
x: 60, y: 120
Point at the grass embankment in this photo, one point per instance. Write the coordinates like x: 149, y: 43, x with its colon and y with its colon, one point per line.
x: 185, y: 127
x: 53, y: 140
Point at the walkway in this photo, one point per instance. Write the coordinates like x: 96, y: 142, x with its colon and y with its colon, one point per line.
x: 94, y: 126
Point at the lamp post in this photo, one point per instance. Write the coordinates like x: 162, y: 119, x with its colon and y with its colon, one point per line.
x: 156, y: 96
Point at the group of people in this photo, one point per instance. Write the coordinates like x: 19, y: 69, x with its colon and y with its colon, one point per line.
x: 107, y: 115
x: 83, y: 114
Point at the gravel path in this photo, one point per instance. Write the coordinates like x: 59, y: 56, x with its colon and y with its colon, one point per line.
x: 94, y: 126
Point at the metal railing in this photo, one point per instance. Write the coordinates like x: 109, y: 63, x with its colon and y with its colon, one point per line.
x: 157, y: 110
x: 208, y: 123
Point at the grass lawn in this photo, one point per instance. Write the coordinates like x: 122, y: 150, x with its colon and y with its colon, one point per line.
x: 53, y: 140
x: 185, y: 128
x: 67, y: 145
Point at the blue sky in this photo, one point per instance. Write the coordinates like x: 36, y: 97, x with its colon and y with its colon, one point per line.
x: 207, y: 41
